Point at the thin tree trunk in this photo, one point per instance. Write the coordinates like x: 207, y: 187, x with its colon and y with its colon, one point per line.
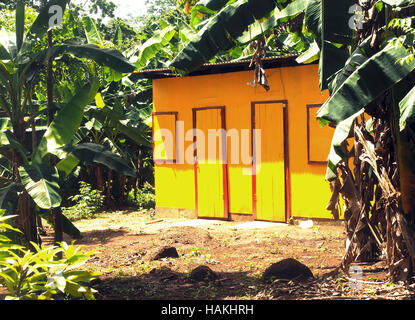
x: 56, y: 212
x: 100, y: 180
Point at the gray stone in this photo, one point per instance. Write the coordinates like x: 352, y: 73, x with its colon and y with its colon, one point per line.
x: 203, y: 273
x: 166, y: 252
x: 288, y: 269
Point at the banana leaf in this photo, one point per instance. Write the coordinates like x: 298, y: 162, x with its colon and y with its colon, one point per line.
x: 397, y: 3
x: 92, y: 33
x: 214, y: 5
x: 220, y: 33
x: 152, y: 46
x: 103, y: 56
x: 407, y: 109
x: 8, y: 140
x: 291, y: 11
x: 90, y: 153
x: 139, y: 134
x: 66, y: 123
x: 41, y: 25
x: 42, y: 183
x: 9, y: 195
x: 20, y: 19
x: 368, y: 81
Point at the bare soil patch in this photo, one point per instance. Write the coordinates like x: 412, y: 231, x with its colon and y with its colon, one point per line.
x: 126, y: 242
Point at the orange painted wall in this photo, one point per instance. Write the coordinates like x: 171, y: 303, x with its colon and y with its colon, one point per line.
x: 175, y: 184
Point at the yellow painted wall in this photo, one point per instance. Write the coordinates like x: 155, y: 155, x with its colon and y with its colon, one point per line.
x: 175, y: 184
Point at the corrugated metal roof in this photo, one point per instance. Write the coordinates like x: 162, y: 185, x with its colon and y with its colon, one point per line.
x: 219, y: 67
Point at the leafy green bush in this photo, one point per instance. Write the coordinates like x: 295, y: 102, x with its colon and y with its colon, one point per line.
x: 40, y: 275
x: 145, y: 198
x: 88, y: 203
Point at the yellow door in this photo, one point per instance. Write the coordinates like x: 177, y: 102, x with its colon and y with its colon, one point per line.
x: 269, y: 171
x: 210, y: 167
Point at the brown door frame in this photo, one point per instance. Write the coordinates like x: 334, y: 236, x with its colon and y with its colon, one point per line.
x: 224, y: 165
x: 287, y: 176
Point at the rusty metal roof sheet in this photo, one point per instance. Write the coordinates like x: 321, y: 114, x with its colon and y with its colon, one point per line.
x: 222, y: 67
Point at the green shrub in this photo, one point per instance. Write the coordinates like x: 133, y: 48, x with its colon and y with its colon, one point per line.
x: 145, y: 198
x: 88, y: 203
x: 39, y: 274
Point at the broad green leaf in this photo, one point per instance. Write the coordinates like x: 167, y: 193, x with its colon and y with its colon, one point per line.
x: 94, y: 153
x: 66, y: 123
x: 8, y: 140
x: 7, y: 44
x: 110, y: 117
x: 42, y: 183
x: 9, y: 194
x: 214, y: 5
x: 220, y: 32
x: 291, y: 11
x: 67, y: 164
x: 92, y: 33
x: 359, y: 56
x: 118, y: 38
x: 20, y: 20
x: 329, y: 21
x: 312, y: 54
x: 397, y: 3
x: 407, y: 109
x: 104, y: 56
x: 372, y: 78
x: 42, y: 23
x: 152, y: 46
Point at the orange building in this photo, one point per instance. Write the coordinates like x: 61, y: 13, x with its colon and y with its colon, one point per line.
x: 226, y: 149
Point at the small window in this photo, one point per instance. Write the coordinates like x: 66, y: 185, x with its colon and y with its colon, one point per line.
x: 164, y: 137
x: 319, y: 138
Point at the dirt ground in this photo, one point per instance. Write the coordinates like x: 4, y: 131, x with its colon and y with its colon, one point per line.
x: 127, y: 241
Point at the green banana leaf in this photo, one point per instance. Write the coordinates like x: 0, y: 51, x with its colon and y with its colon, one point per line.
x: 92, y: 33
x: 8, y: 140
x: 368, y: 81
x: 7, y: 44
x: 139, y: 134
x: 407, y: 109
x: 20, y: 19
x: 152, y: 46
x: 90, y: 153
x: 104, y: 56
x: 359, y: 56
x: 310, y: 55
x: 41, y: 25
x: 220, y: 33
x: 312, y: 19
x: 214, y: 5
x: 291, y: 11
x: 9, y: 195
x: 397, y: 3
x: 67, y: 164
x: 329, y: 22
x: 66, y: 123
x: 42, y: 183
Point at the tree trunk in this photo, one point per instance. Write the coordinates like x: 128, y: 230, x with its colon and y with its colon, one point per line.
x: 100, y: 179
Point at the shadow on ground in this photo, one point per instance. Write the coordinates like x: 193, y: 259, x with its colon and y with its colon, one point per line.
x: 166, y: 284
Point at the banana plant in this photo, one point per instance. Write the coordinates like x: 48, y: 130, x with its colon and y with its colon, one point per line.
x: 33, y: 177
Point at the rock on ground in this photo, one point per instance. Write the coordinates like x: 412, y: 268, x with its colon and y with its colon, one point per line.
x: 166, y: 252
x: 203, y: 273
x: 288, y: 269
